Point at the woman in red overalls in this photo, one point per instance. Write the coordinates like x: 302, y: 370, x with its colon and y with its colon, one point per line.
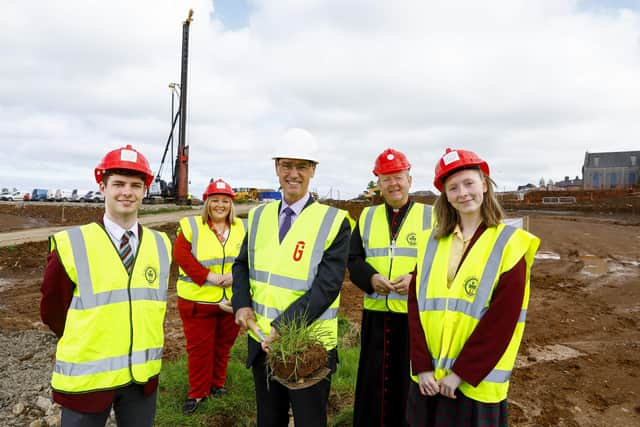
x: 205, y: 249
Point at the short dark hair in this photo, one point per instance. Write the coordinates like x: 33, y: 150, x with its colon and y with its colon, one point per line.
x: 125, y: 172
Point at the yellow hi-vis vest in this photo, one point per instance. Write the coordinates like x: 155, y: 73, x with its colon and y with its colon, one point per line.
x: 279, y: 273
x: 391, y: 258
x: 449, y: 316
x: 113, y: 334
x: 212, y: 254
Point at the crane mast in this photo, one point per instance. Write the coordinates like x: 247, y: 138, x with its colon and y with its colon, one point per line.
x: 181, y: 175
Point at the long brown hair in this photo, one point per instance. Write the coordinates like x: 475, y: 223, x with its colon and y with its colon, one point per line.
x: 447, y: 216
x: 231, y: 218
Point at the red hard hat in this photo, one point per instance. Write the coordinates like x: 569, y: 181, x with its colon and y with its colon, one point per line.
x: 219, y: 186
x: 391, y: 161
x: 124, y: 158
x: 454, y: 160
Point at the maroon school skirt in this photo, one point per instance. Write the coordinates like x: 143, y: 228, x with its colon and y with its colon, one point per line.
x: 440, y: 411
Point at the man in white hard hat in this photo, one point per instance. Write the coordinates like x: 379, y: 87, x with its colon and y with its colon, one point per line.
x: 291, y: 266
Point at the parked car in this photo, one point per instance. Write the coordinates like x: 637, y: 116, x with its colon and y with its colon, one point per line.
x: 98, y: 197
x: 63, y: 195
x: 87, y: 197
x: 76, y: 195
x: 39, y: 194
x: 13, y: 196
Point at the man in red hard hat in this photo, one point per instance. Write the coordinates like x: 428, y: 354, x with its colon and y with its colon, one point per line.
x: 382, y: 257
x: 104, y: 295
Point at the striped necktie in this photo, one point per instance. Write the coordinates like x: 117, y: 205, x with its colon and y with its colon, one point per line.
x: 126, y: 252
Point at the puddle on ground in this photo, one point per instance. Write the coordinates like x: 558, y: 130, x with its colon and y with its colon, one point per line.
x: 594, y: 265
x: 548, y: 353
x: 547, y: 255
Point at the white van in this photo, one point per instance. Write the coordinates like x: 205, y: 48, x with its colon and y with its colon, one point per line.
x: 63, y: 195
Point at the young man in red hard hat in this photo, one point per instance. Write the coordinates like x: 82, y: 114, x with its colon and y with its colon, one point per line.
x: 382, y: 257
x: 104, y: 295
x: 291, y: 266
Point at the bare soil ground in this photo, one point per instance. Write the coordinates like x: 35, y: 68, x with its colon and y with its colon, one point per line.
x: 579, y: 363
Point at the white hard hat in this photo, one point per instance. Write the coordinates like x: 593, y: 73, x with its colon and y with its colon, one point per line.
x: 297, y: 144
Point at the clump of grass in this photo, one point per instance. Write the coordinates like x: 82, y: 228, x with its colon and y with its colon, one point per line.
x: 298, y: 352
x: 349, y: 332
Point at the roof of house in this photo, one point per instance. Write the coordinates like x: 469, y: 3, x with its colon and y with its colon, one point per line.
x: 611, y: 159
x: 526, y: 187
x: 569, y: 183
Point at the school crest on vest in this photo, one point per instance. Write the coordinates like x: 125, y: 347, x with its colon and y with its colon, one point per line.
x: 411, y: 239
x: 150, y: 274
x: 471, y: 286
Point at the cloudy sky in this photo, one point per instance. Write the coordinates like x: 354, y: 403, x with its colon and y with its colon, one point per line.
x: 529, y: 85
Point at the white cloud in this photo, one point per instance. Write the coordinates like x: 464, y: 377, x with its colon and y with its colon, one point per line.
x: 528, y: 85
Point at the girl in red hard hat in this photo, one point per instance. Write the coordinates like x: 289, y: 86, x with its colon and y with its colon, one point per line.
x: 468, y: 304
x: 205, y: 249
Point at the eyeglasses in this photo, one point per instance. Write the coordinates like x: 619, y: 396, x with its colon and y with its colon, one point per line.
x: 289, y: 166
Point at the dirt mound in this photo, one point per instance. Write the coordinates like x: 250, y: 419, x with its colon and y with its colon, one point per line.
x: 18, y: 216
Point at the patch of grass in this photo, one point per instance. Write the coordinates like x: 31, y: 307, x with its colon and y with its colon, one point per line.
x: 235, y: 409
x: 238, y: 408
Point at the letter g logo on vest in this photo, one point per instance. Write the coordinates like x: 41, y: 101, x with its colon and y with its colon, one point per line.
x: 150, y: 274
x: 471, y: 286
x: 298, y: 251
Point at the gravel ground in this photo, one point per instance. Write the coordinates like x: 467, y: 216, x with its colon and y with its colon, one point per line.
x: 26, y: 361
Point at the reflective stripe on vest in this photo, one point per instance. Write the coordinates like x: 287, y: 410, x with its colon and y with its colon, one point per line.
x: 393, y: 258
x: 316, y: 256
x: 273, y: 291
x: 495, y: 376
x: 113, y: 333
x: 272, y: 313
x: 88, y: 299
x: 108, y: 364
x: 488, y: 278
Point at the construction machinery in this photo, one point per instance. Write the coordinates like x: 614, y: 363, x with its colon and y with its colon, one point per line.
x: 177, y: 190
x: 248, y: 194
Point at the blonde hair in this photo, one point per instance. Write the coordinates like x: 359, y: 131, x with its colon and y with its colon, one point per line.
x: 231, y: 218
x: 447, y: 216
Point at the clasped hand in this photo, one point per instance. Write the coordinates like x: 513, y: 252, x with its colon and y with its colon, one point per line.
x: 446, y: 386
x: 222, y: 280
x: 383, y: 286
